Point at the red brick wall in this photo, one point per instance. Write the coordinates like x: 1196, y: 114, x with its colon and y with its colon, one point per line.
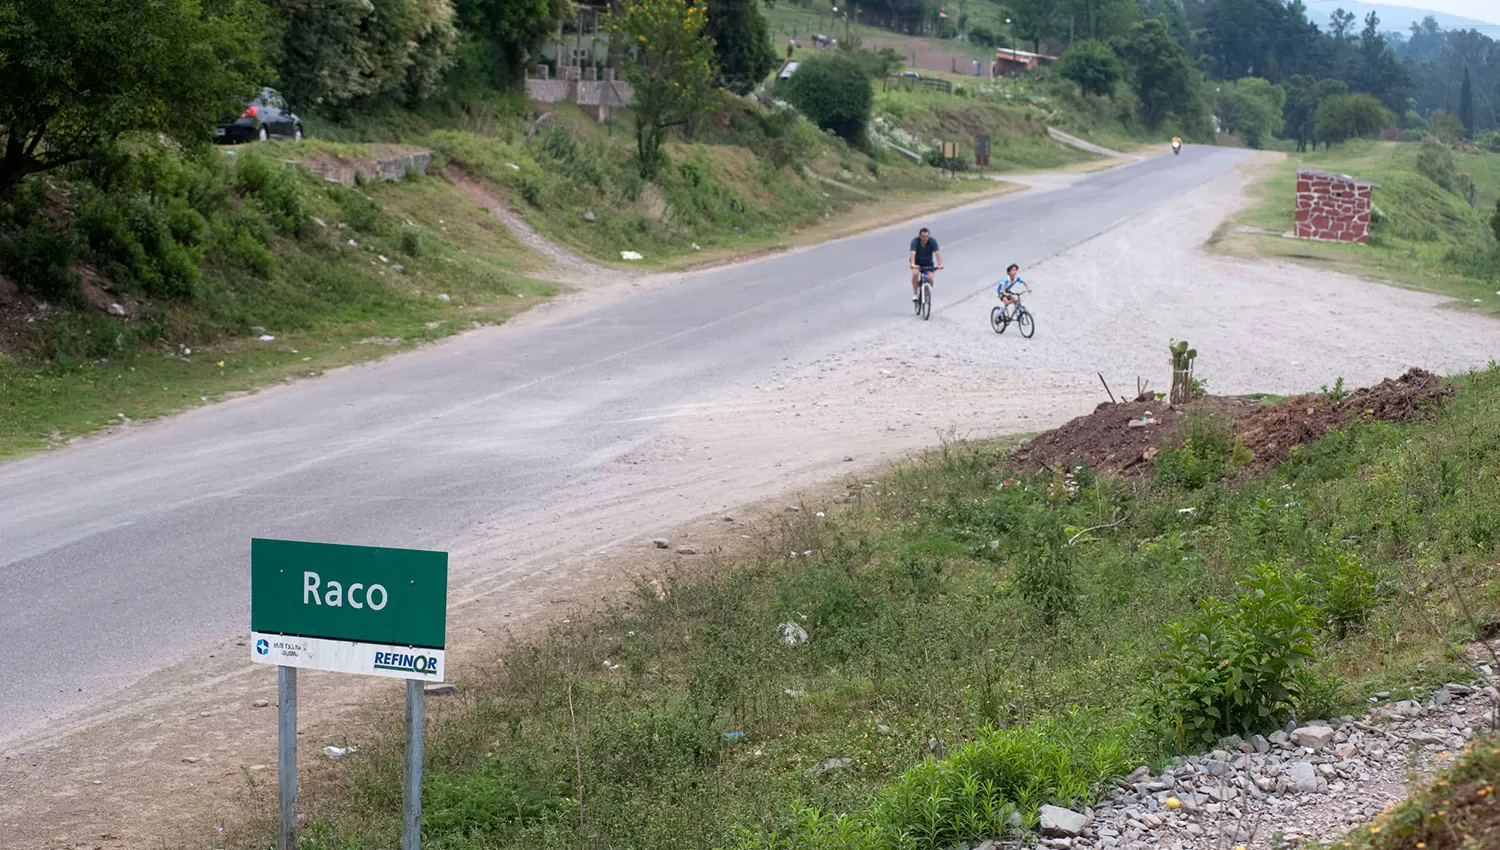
x: 1332, y: 209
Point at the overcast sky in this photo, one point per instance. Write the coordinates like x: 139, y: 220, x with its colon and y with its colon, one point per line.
x: 1482, y: 10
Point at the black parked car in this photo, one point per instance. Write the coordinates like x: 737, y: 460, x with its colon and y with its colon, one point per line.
x: 265, y: 117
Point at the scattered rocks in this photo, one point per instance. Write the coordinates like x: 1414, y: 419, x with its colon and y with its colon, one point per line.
x: 686, y: 550
x: 1313, y: 780
x: 443, y: 689
x: 261, y: 703
x: 661, y: 543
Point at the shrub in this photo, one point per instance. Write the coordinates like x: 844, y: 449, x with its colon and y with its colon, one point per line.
x: 1206, y: 452
x: 1435, y: 162
x: 1045, y: 579
x: 1232, y: 667
x: 411, y: 242
x: 972, y: 793
x: 39, y: 260
x: 1348, y: 116
x: 833, y: 90
x: 1346, y: 588
x: 1093, y: 65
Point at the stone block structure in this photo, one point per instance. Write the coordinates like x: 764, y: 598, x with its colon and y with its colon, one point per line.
x: 596, y: 92
x: 1333, y: 207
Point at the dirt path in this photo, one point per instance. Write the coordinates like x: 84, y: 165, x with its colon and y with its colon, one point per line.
x: 1075, y: 142
x: 187, y: 753
x: 567, y: 267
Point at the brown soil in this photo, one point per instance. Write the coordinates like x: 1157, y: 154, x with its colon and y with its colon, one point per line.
x: 1105, y: 441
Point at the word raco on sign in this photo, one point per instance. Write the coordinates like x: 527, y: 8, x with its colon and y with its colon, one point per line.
x: 351, y: 609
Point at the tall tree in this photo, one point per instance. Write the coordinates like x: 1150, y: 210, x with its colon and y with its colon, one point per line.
x: 509, y: 33
x: 742, y: 43
x: 1376, y: 70
x: 339, y: 52
x: 1163, y: 77
x: 1303, y: 96
x: 1466, y: 105
x: 671, y: 69
x: 75, y: 74
x: 1035, y: 20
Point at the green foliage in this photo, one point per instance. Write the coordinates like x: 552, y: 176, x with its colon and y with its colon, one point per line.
x: 985, y: 787
x: 1349, y: 116
x: 1232, y: 668
x: 742, y: 44
x: 1163, y: 76
x: 77, y: 74
x: 39, y: 259
x: 1251, y: 108
x: 1093, y: 65
x: 481, y: 803
x: 1303, y: 96
x: 1045, y: 578
x: 1495, y: 220
x: 509, y: 33
x: 671, y: 71
x: 1446, y: 127
x: 1346, y: 590
x: 339, y: 53
x: 1206, y: 452
x: 1466, y: 105
x: 1435, y: 162
x: 411, y: 242
x: 834, y: 91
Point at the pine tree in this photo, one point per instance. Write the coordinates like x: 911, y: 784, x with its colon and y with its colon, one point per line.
x: 1466, y: 105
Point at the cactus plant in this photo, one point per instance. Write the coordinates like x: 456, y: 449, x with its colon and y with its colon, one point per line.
x: 1182, y: 371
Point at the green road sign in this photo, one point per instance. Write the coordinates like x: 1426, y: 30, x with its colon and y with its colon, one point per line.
x: 356, y: 609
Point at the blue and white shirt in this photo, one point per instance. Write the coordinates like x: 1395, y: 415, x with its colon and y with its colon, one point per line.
x: 1008, y: 285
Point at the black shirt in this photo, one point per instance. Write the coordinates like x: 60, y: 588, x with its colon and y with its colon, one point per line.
x: 924, y: 253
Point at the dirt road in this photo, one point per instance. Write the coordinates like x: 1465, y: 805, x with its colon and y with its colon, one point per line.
x: 546, y: 477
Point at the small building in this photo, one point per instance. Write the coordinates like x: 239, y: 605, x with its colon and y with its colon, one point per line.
x: 1011, y: 61
x: 1333, y: 207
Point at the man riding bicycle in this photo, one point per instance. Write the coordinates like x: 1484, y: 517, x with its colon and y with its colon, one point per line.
x: 924, y: 250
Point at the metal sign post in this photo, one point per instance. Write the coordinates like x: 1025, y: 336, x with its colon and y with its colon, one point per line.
x: 348, y: 609
x: 981, y: 152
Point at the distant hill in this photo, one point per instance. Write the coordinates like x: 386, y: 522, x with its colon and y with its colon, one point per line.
x: 1398, y: 18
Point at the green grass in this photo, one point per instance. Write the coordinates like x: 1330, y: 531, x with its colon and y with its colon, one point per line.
x: 326, y: 302
x: 974, y: 649
x: 1431, y: 238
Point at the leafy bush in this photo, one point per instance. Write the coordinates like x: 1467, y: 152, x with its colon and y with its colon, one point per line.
x: 834, y: 91
x: 1346, y: 588
x: 1232, y: 668
x: 411, y: 241
x: 482, y: 802
x: 973, y: 792
x: 39, y: 259
x: 1349, y: 116
x: 1046, y: 579
x: 1093, y: 65
x: 1435, y: 162
x: 1206, y: 452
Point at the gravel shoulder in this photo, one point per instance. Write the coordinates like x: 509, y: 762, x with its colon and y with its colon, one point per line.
x: 185, y: 752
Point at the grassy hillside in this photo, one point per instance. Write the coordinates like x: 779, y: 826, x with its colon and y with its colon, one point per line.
x: 1428, y: 236
x: 147, y: 282
x: 963, y: 640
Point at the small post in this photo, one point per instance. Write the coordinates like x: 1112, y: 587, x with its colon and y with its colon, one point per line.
x: 286, y: 758
x: 411, y: 786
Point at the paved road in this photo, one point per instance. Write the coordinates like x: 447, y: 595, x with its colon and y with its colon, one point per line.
x: 121, y: 556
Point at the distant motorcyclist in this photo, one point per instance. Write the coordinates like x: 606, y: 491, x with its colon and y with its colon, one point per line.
x: 1176, y: 145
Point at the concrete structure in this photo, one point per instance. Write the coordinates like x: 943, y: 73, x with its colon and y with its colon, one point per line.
x: 1333, y: 207
x: 1011, y: 61
x: 596, y: 92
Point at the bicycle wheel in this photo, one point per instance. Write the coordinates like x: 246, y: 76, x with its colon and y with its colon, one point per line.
x: 916, y: 303
x: 926, y: 304
x: 998, y: 320
x: 1024, y: 323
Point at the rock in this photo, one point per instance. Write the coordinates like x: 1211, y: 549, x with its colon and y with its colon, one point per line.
x: 1317, y: 737
x: 338, y: 752
x: 1430, y: 738
x: 791, y: 509
x: 686, y: 550
x: 1136, y: 423
x: 115, y: 309
x: 829, y: 765
x: 190, y: 759
x: 257, y: 330
x: 588, y: 216
x: 1058, y: 822
x: 1457, y: 689
x: 444, y: 297
x: 1345, y: 751
x: 261, y: 703
x: 848, y: 458
x: 1214, y: 767
x: 1280, y: 739
x: 1260, y: 744
x: 882, y: 729
x: 441, y: 690
x: 1442, y: 697
x: 661, y: 543
x: 792, y: 634
x: 1303, y: 777
x: 1150, y: 820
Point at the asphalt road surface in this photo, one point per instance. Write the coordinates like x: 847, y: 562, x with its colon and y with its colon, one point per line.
x: 121, y: 556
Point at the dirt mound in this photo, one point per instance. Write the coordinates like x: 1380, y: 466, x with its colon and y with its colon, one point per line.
x: 1124, y: 439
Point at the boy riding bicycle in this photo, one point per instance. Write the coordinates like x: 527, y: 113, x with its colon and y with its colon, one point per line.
x: 1006, y: 288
